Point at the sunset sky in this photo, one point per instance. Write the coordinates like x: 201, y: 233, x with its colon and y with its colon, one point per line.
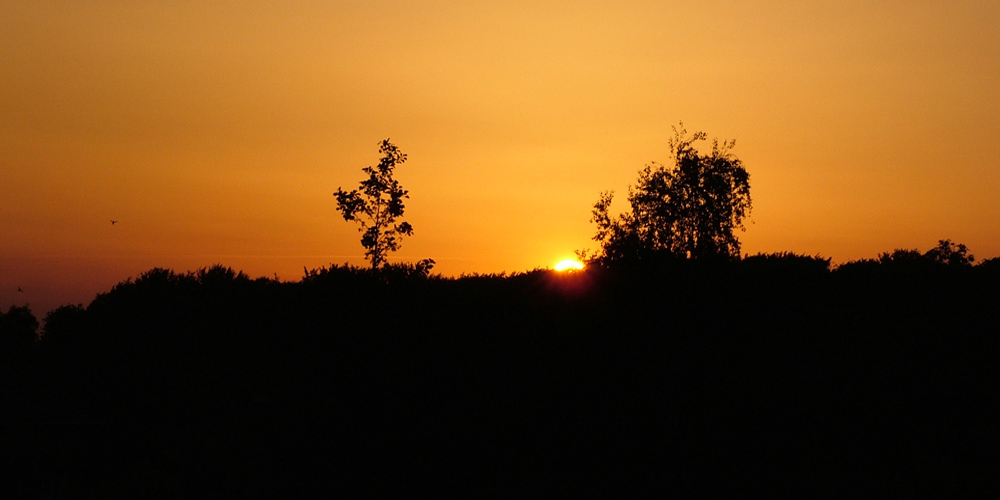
x: 217, y: 131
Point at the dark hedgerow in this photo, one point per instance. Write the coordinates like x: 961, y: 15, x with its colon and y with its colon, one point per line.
x: 672, y: 376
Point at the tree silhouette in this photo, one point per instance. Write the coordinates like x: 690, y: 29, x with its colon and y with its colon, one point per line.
x: 946, y: 253
x: 688, y: 210
x: 377, y: 205
x: 950, y: 253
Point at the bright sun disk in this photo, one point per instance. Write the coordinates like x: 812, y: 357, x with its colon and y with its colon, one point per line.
x: 568, y: 265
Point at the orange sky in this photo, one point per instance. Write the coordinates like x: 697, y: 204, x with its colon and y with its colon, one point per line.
x: 216, y: 132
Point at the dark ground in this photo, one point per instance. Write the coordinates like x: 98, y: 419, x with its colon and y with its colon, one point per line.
x: 773, y: 375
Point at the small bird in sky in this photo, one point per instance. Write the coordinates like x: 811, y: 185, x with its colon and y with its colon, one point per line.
x: 19, y: 289
x: 113, y: 222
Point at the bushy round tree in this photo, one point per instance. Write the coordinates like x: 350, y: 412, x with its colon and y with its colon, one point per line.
x: 689, y: 209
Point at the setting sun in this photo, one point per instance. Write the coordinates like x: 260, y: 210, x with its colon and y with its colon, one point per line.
x: 308, y: 246
x: 215, y: 133
x: 568, y: 265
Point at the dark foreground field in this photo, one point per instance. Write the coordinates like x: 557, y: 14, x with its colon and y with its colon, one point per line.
x: 769, y: 374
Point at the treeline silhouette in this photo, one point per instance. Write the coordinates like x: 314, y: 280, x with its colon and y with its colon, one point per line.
x: 770, y: 372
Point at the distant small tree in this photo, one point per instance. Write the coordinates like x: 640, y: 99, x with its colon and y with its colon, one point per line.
x: 945, y: 253
x: 689, y: 209
x: 377, y: 205
x: 950, y: 253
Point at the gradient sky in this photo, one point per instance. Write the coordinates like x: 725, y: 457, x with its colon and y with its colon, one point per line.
x: 217, y: 131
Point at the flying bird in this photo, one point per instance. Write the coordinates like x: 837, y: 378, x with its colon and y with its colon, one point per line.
x: 113, y: 222
x: 19, y: 290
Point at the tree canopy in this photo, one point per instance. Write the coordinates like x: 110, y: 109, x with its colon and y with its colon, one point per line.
x: 689, y: 209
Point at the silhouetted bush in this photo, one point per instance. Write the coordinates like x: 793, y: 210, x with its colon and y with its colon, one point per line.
x: 785, y: 264
x: 18, y: 328
x: 66, y: 324
x: 220, y: 276
x: 991, y: 266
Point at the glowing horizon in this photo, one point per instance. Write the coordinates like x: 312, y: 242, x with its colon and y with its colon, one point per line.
x: 217, y: 132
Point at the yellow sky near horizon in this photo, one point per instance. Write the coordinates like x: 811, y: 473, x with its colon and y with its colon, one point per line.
x: 216, y: 132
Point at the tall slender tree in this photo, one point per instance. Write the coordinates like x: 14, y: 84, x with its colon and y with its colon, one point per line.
x: 377, y: 205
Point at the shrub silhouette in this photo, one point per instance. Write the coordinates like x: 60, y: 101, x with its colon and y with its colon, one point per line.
x: 18, y: 328
x: 66, y: 324
x: 787, y: 262
x: 990, y: 265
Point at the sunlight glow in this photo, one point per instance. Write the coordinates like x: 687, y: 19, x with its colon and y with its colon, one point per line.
x: 568, y: 265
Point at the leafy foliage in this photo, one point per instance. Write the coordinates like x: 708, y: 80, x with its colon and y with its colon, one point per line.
x: 355, y: 275
x: 689, y: 209
x: 376, y: 206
